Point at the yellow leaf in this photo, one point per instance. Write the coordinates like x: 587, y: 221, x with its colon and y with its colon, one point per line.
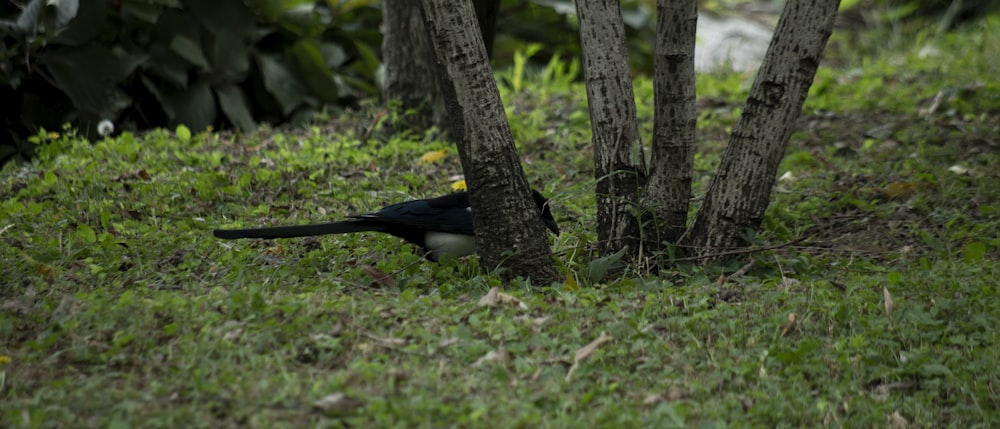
x: 570, y: 284
x: 458, y: 186
x: 900, y: 190
x: 432, y: 156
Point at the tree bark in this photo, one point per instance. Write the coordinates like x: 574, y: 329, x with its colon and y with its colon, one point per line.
x: 509, y: 230
x: 740, y: 191
x: 619, y: 162
x: 410, y: 65
x: 674, y: 123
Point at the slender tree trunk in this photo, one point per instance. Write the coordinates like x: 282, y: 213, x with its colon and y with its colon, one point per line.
x: 619, y: 163
x: 410, y: 65
x: 741, y: 189
x: 509, y: 231
x: 669, y: 189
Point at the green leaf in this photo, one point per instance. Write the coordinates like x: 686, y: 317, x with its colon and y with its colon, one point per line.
x: 333, y: 55
x: 974, y: 252
x: 234, y: 106
x: 223, y: 16
x: 85, y: 25
x: 230, y: 56
x: 189, y: 49
x: 934, y: 369
x: 194, y: 107
x: 148, y: 13
x: 129, y: 60
x: 894, y: 277
x: 183, y: 133
x: 599, y: 267
x: 302, y: 19
x: 317, y: 76
x: 86, y: 234
x: 88, y: 75
x: 281, y: 82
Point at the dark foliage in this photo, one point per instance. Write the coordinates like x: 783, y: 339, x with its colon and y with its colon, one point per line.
x: 149, y: 63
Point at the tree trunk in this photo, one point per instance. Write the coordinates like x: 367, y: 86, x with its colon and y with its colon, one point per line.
x: 410, y: 65
x: 619, y: 163
x: 509, y: 230
x: 669, y: 189
x: 741, y: 189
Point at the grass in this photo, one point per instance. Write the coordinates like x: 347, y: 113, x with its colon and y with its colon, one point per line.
x: 118, y: 308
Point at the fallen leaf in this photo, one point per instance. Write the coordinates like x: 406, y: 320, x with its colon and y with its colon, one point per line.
x: 675, y: 393
x: 788, y: 282
x: 388, y: 341
x: 959, y: 170
x: 47, y: 271
x: 652, y: 399
x: 490, y: 299
x: 379, y: 277
x: 494, y: 298
x: 233, y: 335
x: 900, y: 190
x: 897, y: 421
x: 275, y: 250
x: 883, y: 390
x: 499, y: 355
x: 721, y: 280
x: 432, y: 156
x: 788, y: 324
x: 139, y: 174
x: 534, y: 321
x: 585, y: 352
x: 747, y: 403
x: 337, y: 403
x: 570, y: 283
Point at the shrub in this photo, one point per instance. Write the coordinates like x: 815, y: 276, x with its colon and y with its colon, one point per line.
x: 151, y: 63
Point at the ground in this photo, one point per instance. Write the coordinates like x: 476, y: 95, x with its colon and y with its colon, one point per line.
x: 875, y: 304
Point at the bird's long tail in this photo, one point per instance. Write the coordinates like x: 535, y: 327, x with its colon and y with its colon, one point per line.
x: 296, y: 230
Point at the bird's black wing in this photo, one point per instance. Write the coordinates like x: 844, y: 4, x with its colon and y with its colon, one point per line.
x: 449, y: 213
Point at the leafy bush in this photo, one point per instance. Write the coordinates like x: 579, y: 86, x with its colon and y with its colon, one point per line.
x: 150, y: 63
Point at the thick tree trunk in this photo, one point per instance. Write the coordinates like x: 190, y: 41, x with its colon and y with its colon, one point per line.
x: 410, y: 65
x: 669, y: 189
x: 509, y: 231
x: 740, y: 192
x: 619, y: 163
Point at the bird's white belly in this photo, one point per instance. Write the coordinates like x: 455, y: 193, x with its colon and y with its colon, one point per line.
x: 443, y: 243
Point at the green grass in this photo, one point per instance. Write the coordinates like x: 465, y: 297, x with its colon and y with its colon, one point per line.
x: 119, y: 309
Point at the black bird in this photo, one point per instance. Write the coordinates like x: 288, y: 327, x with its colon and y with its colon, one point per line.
x: 439, y: 226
